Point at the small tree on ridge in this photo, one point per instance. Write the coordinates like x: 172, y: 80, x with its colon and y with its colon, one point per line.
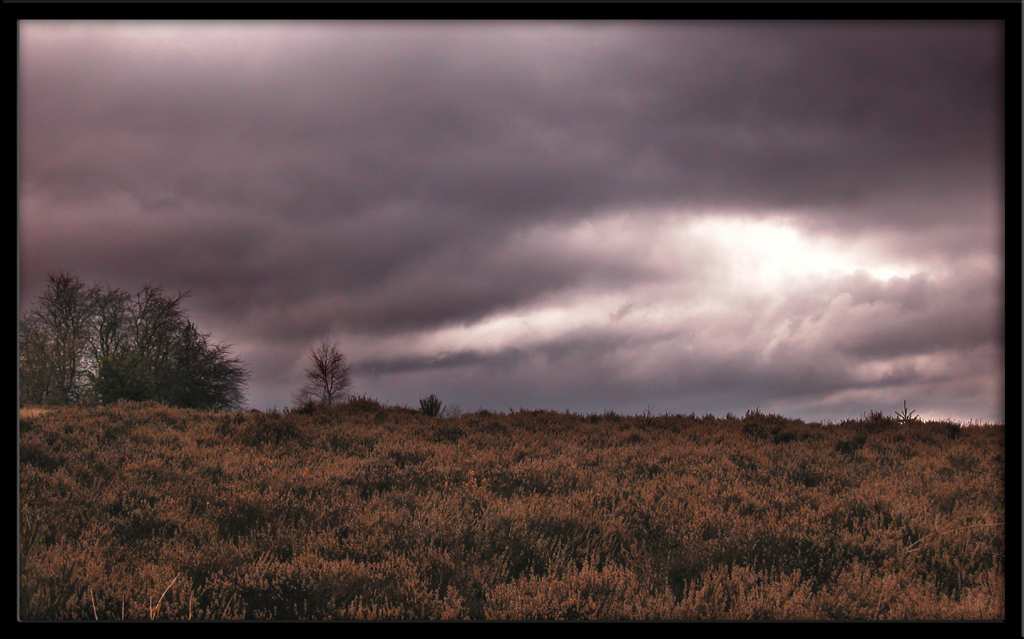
x: 327, y: 379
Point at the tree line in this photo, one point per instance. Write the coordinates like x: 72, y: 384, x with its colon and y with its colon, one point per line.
x: 82, y: 343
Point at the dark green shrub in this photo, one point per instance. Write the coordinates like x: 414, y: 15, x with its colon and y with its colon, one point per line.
x: 906, y: 416
x: 123, y: 377
x: 430, y: 406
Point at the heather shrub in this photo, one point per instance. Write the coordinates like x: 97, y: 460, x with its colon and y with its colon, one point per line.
x: 576, y: 593
x: 139, y: 511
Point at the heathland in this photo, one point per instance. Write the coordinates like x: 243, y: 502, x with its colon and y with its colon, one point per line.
x: 140, y: 511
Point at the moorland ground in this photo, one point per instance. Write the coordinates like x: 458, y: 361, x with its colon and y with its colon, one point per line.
x: 367, y: 511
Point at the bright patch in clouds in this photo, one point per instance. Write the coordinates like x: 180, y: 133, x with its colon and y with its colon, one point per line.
x: 758, y: 257
x: 523, y: 328
x: 771, y: 252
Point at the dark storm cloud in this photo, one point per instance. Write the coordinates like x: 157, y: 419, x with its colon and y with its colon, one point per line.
x: 464, y: 117
x: 965, y: 315
x: 381, y: 180
x: 594, y: 372
x: 449, y: 360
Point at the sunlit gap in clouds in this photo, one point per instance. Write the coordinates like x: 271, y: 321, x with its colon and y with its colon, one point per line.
x: 708, y: 310
x: 677, y: 269
x: 771, y: 251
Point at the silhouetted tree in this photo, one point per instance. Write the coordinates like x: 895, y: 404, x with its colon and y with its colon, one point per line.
x: 54, y: 342
x: 37, y: 369
x: 157, y: 325
x: 327, y: 379
x: 204, y: 375
x: 109, y: 344
x: 111, y: 318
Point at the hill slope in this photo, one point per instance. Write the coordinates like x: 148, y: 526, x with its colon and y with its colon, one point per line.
x: 364, y: 511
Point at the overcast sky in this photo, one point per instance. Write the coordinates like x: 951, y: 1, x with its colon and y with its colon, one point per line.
x: 682, y: 217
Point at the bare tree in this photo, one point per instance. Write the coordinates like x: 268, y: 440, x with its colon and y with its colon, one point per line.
x: 327, y: 379
x: 37, y: 364
x: 111, y: 318
x: 157, y: 322
x: 54, y: 341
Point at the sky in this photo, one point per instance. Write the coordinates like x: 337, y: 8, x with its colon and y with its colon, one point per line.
x: 677, y: 217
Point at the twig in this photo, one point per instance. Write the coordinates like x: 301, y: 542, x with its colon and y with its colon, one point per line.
x: 153, y: 611
x: 943, y: 531
x: 228, y: 604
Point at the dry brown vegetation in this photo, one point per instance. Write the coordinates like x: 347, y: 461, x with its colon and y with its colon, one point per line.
x: 364, y: 511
